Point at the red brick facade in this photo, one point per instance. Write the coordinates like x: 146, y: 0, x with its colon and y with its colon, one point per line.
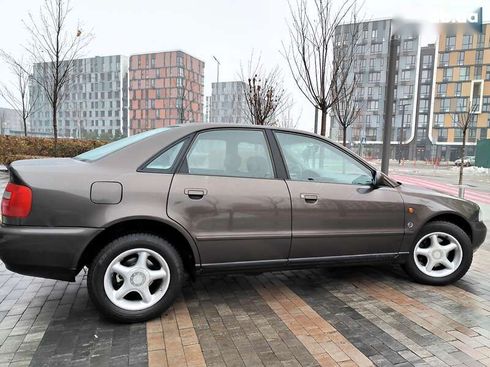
x: 165, y: 88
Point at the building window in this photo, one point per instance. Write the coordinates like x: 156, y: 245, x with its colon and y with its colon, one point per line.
x: 458, y: 87
x: 374, y: 77
x: 486, y: 104
x: 407, y: 45
x: 461, y: 55
x: 445, y: 104
x: 450, y: 43
x: 480, y: 43
x: 376, y: 47
x: 461, y: 104
x: 406, y: 75
x: 427, y: 61
x: 467, y: 41
x: 426, y: 76
x: 479, y: 56
x: 423, y: 105
x: 447, y: 75
x: 424, y: 90
x: 372, y: 105
x: 442, y: 89
x: 464, y: 73
x: 478, y: 72
x: 444, y: 59
x: 374, y: 33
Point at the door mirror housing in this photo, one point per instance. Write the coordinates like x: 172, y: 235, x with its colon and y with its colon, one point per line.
x: 377, y: 179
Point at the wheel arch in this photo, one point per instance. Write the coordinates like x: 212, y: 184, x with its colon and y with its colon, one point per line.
x: 181, y: 240
x: 453, y: 218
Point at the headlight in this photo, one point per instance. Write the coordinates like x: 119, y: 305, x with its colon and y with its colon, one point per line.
x: 480, y: 215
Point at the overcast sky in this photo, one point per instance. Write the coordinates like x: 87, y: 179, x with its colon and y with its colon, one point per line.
x: 227, y: 29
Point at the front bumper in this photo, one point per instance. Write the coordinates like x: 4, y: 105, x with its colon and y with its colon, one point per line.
x: 44, y: 251
x: 479, y: 232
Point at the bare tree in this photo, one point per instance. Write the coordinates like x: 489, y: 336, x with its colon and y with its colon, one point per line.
x: 17, y: 94
x: 462, y: 120
x: 309, y: 53
x: 289, y: 117
x: 345, y: 83
x: 265, y: 98
x: 54, y: 47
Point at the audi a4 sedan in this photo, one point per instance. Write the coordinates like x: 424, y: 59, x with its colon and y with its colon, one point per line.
x: 143, y: 211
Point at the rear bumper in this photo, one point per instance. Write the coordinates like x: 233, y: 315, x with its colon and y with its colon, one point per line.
x: 44, y: 251
x: 479, y: 231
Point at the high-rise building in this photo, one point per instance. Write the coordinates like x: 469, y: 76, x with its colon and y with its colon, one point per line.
x: 421, y: 146
x: 94, y: 101
x: 11, y: 123
x: 462, y: 84
x: 166, y: 88
x: 370, y: 67
x: 227, y: 103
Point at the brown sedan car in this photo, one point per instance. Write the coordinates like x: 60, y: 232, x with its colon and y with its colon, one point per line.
x: 142, y: 211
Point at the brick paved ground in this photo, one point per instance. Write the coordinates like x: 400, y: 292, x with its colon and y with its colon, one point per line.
x: 356, y: 316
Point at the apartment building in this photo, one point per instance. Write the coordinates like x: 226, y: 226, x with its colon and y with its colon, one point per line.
x: 94, y: 101
x: 370, y: 67
x: 165, y: 88
x: 462, y: 85
x: 227, y: 103
x: 421, y: 147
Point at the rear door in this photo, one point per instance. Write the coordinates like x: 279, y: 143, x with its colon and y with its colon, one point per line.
x: 336, y: 211
x: 227, y: 196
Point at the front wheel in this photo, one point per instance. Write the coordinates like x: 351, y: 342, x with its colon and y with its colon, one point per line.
x: 135, y: 278
x: 441, y: 254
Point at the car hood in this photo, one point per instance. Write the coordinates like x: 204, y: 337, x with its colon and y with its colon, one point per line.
x: 438, y: 201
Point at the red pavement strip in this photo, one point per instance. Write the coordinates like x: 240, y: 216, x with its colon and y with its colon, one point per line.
x: 449, y: 189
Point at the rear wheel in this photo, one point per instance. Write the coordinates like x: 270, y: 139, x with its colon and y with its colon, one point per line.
x: 135, y: 278
x: 440, y: 255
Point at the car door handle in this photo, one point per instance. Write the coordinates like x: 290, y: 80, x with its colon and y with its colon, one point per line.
x: 195, y: 193
x: 309, y: 198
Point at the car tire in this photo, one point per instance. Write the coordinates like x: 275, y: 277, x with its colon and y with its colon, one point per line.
x: 427, y: 252
x: 135, y: 278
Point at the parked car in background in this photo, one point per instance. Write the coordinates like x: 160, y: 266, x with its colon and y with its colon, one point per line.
x: 467, y: 161
x: 142, y: 211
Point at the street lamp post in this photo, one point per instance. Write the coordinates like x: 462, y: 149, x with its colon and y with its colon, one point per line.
x: 211, y: 117
x: 217, y: 69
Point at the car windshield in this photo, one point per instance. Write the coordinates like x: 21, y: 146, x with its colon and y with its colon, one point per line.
x: 104, y: 150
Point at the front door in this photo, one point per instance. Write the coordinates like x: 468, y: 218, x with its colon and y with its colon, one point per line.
x: 227, y: 196
x: 336, y: 211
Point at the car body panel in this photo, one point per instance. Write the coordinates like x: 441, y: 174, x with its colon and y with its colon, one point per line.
x: 346, y: 220
x: 428, y: 204
x: 238, y: 219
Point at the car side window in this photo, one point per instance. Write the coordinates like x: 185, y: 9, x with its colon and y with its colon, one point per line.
x: 310, y: 159
x: 230, y: 152
x: 166, y: 160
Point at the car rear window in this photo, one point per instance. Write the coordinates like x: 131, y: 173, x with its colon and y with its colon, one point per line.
x: 104, y: 150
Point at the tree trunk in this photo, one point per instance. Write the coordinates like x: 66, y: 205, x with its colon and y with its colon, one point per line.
x: 316, y: 120
x: 463, y: 153
x: 323, y: 128
x: 25, y: 126
x: 344, y: 135
x: 55, y: 128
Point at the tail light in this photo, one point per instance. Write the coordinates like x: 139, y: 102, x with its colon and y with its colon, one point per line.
x: 16, y: 201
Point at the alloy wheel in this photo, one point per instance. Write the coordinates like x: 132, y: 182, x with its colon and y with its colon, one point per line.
x: 137, y: 279
x: 438, y: 254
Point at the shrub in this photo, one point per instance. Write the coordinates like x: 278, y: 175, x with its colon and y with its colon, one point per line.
x: 18, y: 147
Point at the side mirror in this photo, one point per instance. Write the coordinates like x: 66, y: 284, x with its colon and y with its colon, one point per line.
x: 377, y: 179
